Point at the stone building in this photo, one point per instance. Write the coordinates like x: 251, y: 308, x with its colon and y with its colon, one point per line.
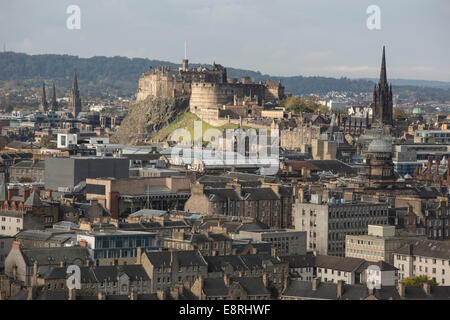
x: 167, y: 269
x: 378, y: 245
x: 379, y: 168
x: 424, y: 258
x: 270, y: 205
x: 327, y: 224
x: 299, y: 138
x: 110, y: 280
x: 32, y: 170
x: 286, y: 242
x: 126, y: 196
x: 207, y: 243
x: 25, y: 264
x: 434, y: 174
x: 231, y: 288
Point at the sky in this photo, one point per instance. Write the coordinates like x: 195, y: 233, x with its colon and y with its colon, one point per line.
x: 280, y: 38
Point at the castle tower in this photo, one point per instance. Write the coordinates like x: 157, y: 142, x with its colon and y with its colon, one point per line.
x: 382, y: 97
x: 75, y: 101
x: 53, y: 104
x: 43, y: 107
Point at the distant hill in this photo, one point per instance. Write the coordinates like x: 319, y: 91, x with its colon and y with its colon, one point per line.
x: 414, y: 83
x: 101, y: 77
x: 122, y: 74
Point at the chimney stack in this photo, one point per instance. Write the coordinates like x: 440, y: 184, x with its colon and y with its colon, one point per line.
x: 265, y: 279
x: 139, y: 255
x: 401, y: 289
x: 427, y: 287
x: 340, y: 288
x: 101, y: 295
x: 30, y: 294
x: 72, y: 294
x: 438, y: 162
x: 161, y: 295
x: 315, y: 283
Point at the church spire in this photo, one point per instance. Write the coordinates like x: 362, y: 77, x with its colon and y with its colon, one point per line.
x: 75, y: 97
x: 383, y: 75
x: 44, y: 105
x: 54, y: 103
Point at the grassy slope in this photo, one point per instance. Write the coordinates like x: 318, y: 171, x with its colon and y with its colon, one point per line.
x: 186, y: 120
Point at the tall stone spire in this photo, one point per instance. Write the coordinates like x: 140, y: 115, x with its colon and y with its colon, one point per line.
x: 43, y: 106
x: 75, y: 101
x: 53, y: 104
x: 382, y: 104
x: 383, y: 74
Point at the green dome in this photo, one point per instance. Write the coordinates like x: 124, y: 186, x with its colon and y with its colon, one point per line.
x: 417, y: 110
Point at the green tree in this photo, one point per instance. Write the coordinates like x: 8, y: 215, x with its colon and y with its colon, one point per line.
x: 46, y: 142
x: 400, y: 115
x: 297, y: 105
x: 418, y: 281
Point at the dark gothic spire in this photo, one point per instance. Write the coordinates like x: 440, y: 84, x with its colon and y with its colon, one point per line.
x: 75, y: 97
x: 75, y: 82
x: 44, y: 96
x: 383, y: 75
x: 44, y: 105
x: 382, y: 111
x: 54, y: 103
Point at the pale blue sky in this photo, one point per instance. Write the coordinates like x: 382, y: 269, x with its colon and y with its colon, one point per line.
x: 283, y: 37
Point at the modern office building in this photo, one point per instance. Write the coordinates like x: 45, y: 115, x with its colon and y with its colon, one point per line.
x: 116, y: 247
x: 327, y: 224
x: 65, y: 173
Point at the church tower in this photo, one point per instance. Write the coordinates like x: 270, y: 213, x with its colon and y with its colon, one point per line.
x: 53, y: 103
x: 75, y: 101
x: 382, y: 97
x: 43, y: 107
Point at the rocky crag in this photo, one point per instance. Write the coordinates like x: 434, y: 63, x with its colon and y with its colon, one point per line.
x: 147, y: 117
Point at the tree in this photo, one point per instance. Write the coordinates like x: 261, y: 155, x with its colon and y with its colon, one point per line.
x: 400, y: 115
x: 418, y: 281
x: 25, y: 180
x: 297, y: 105
x: 46, y: 142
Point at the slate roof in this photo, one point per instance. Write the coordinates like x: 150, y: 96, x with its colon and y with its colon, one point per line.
x: 215, y: 287
x: 303, y: 289
x: 239, y: 262
x: 221, y: 194
x: 427, y: 248
x: 53, y: 256
x: 256, y: 194
x: 100, y: 273
x: 253, y: 285
x: 33, y: 200
x: 40, y: 164
x: 185, y: 258
x: 339, y: 263
x: 216, y: 263
x: 299, y: 261
x: 384, y: 266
